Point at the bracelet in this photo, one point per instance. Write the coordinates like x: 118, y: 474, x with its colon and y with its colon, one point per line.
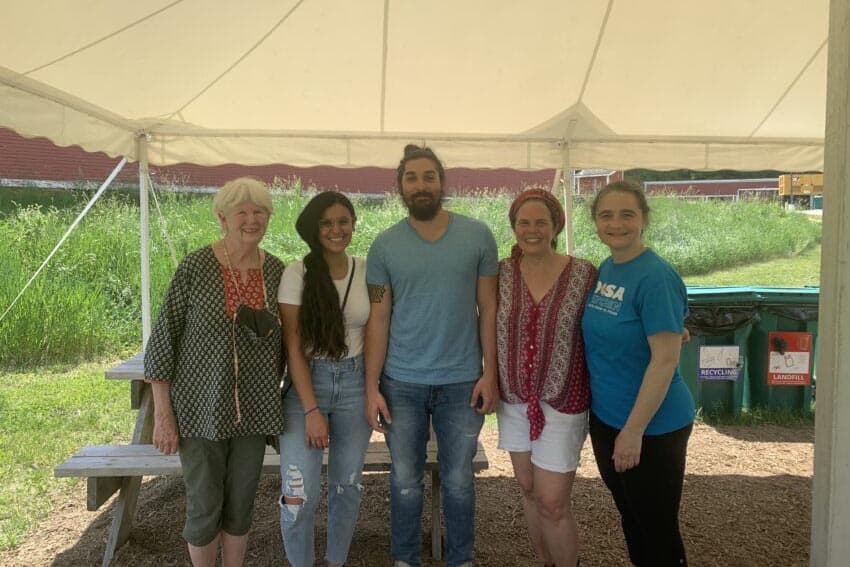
x: 311, y: 410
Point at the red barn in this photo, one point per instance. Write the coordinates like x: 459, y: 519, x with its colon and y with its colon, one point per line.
x: 37, y: 161
x: 715, y: 188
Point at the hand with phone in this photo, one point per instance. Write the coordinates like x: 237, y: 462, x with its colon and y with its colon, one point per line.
x: 377, y: 412
x: 485, y: 396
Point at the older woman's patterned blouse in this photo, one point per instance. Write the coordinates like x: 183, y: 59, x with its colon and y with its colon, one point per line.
x: 540, y: 347
x: 191, y: 347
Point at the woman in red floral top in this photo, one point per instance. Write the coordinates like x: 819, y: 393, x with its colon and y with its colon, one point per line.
x: 542, y: 373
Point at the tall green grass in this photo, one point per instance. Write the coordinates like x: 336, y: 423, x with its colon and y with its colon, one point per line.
x: 699, y: 237
x: 87, y: 302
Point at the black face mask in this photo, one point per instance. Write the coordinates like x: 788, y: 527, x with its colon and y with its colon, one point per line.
x: 260, y: 321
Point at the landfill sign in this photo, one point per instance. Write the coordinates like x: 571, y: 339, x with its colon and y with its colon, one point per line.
x: 720, y: 362
x: 789, y: 358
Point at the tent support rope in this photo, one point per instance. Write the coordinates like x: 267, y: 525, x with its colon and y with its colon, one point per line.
x: 68, y: 232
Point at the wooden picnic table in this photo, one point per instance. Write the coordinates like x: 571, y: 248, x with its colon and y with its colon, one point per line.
x: 111, y: 468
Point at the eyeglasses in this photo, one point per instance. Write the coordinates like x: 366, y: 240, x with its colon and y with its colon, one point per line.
x: 327, y: 224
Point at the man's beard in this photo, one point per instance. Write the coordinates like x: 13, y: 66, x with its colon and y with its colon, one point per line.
x: 423, y: 210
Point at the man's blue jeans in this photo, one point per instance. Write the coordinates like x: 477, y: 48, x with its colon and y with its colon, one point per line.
x: 456, y: 426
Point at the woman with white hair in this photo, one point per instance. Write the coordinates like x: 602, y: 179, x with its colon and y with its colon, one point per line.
x: 214, y: 360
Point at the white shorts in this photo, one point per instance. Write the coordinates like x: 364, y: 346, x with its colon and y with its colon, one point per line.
x: 558, y: 449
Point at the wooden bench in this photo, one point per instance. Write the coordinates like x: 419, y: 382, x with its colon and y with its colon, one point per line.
x: 111, y: 468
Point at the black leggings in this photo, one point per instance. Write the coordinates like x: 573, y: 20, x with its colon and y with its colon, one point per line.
x: 648, y: 495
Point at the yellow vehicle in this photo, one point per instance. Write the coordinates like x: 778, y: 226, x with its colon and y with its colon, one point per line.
x: 799, y: 188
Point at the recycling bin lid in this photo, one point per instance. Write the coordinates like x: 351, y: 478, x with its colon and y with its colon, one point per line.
x: 789, y: 295
x: 728, y: 295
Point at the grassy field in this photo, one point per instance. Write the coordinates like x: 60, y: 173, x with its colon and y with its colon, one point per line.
x: 797, y: 271
x: 87, y: 302
x: 47, y: 414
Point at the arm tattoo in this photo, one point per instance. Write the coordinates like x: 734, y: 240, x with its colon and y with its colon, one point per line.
x: 376, y: 292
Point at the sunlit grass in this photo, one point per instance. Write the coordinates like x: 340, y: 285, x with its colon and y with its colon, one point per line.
x: 795, y: 271
x: 45, y: 416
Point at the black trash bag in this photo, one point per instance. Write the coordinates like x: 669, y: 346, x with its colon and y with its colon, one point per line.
x: 794, y: 312
x: 719, y: 320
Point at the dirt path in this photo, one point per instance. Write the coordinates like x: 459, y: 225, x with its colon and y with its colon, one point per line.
x: 747, y: 502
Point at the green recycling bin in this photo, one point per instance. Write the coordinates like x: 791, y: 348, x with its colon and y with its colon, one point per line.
x: 783, y: 349
x: 715, y: 362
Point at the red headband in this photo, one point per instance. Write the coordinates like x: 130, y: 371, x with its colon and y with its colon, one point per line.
x: 552, y: 203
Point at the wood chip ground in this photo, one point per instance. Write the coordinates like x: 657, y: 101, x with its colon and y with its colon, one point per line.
x: 747, y: 502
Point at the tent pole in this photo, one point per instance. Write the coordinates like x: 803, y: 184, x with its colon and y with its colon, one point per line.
x: 830, y: 545
x: 145, y: 237
x: 567, y: 189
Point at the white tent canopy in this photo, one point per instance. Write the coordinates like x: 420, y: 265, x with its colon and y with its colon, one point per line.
x: 650, y: 83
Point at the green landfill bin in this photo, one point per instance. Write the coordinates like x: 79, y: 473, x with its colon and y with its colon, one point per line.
x: 783, y: 349
x: 715, y: 362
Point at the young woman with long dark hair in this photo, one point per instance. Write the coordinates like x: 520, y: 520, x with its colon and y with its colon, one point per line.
x: 324, y: 306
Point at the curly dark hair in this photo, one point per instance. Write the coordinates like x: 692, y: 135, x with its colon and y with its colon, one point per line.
x: 412, y: 151
x: 320, y: 318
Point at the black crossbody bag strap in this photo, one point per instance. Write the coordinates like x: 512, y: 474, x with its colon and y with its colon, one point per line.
x: 348, y: 288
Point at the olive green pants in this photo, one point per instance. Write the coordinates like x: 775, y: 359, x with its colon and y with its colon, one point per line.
x: 221, y: 480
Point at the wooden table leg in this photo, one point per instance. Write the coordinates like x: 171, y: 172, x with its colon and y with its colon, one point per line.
x: 122, y: 517
x: 143, y: 432
x: 436, y: 532
x: 125, y: 504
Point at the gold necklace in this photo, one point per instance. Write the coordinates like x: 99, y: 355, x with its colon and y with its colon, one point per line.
x: 227, y: 256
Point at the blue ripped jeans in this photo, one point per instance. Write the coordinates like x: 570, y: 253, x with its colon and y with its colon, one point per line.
x: 340, y: 393
x: 456, y: 426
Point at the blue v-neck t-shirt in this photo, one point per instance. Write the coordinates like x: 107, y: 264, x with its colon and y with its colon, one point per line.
x: 433, y: 336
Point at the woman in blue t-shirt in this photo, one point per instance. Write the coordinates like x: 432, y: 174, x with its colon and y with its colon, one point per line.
x: 641, y: 410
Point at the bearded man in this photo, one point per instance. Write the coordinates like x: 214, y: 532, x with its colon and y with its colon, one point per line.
x: 431, y: 354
